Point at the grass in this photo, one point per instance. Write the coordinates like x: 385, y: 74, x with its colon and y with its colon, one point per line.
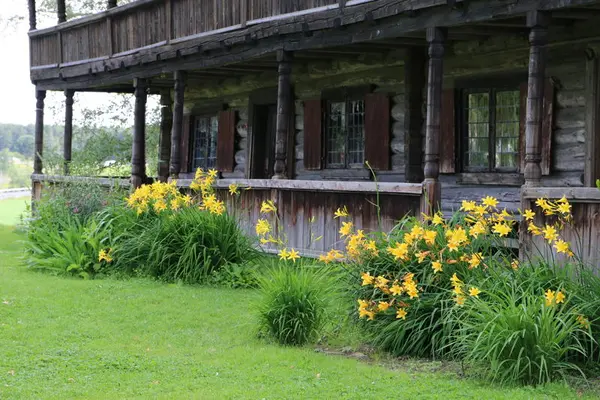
x: 106, y: 339
x: 11, y: 209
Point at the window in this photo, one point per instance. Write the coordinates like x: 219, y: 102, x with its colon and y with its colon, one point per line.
x: 345, y: 133
x: 490, y: 131
x: 204, y: 149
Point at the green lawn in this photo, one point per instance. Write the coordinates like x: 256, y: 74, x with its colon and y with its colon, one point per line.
x: 106, y: 339
x: 11, y: 209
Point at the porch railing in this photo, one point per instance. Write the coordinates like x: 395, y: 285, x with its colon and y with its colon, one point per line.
x: 150, y: 23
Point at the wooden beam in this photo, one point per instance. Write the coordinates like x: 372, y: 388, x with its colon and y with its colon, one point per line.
x: 591, y: 171
x: 138, y: 150
x: 39, y: 131
x: 61, y: 11
x: 575, y: 194
x: 538, y: 38
x: 111, y: 4
x: 166, y: 125
x: 284, y: 110
x: 177, y: 130
x: 431, y: 198
x: 32, y: 16
x: 414, y: 82
x: 68, y: 133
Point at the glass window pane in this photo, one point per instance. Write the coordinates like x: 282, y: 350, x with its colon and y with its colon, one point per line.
x: 336, y: 134
x: 507, y: 129
x: 478, y: 130
x: 356, y: 132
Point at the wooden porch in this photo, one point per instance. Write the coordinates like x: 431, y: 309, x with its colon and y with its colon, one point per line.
x: 173, y: 46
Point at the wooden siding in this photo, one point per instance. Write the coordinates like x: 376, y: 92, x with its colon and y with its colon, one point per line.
x: 298, y: 208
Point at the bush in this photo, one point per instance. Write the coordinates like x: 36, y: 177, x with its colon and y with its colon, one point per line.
x: 294, y: 302
x: 188, y: 246
x: 520, y: 336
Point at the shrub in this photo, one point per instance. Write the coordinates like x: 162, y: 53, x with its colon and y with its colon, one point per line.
x: 188, y: 245
x: 520, y: 335
x: 295, y: 299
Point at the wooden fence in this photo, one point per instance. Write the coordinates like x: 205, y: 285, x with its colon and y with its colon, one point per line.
x: 148, y: 23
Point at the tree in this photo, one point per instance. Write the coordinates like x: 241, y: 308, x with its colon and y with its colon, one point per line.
x: 25, y: 145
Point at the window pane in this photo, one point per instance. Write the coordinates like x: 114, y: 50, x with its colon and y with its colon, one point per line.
x: 356, y: 132
x: 201, y: 143
x: 212, y: 143
x: 478, y: 130
x: 507, y: 129
x: 336, y: 134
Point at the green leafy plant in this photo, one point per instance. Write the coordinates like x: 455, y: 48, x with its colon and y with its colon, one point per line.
x: 519, y: 336
x: 295, y: 300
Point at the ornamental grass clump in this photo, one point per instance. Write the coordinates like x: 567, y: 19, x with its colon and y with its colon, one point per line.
x: 295, y: 299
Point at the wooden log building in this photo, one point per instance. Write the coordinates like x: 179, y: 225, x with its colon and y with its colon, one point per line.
x: 446, y: 100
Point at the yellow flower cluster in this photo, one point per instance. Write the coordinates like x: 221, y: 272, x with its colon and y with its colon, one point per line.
x: 561, y: 210
x: 203, y: 182
x: 104, y: 255
x: 291, y: 255
x: 159, y: 196
x: 553, y: 297
x: 407, y: 286
x: 331, y: 256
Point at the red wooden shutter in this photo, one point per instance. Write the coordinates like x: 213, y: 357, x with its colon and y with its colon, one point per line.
x: 448, y: 135
x: 186, y: 127
x: 313, y: 134
x: 377, y: 130
x: 522, y: 124
x: 226, y: 141
x: 547, y: 126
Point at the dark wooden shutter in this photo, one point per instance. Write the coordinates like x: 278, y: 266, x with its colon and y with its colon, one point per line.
x: 186, y: 138
x: 226, y: 141
x: 547, y: 127
x: 377, y: 130
x: 448, y: 133
x: 313, y: 134
x: 522, y: 124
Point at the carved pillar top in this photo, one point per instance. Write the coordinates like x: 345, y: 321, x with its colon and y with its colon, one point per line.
x: 111, y: 4
x: 32, y: 16
x: 61, y: 11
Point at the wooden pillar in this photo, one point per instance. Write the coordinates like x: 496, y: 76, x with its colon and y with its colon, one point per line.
x: 431, y: 199
x: 414, y: 82
x: 538, y: 38
x: 284, y: 109
x: 32, y: 20
x: 39, y: 131
x: 68, y: 134
x: 138, y: 151
x: 592, y: 120
x: 111, y: 4
x: 177, y: 129
x: 61, y: 11
x: 164, y: 144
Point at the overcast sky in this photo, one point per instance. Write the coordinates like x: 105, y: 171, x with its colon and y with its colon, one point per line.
x: 17, y: 102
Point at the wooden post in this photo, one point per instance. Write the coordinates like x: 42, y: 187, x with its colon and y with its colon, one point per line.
x: 166, y: 125
x: 32, y: 21
x: 177, y: 129
x: 39, y: 131
x: 111, y: 4
x: 592, y: 122
x: 430, y: 201
x: 138, y: 151
x: 68, y: 134
x: 36, y: 185
x: 284, y: 108
x: 414, y: 81
x: 61, y: 11
x: 538, y: 38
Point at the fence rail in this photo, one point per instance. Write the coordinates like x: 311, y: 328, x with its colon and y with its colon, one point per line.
x: 148, y: 23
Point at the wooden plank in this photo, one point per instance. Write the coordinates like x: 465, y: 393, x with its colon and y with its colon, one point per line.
x: 226, y: 141
x: 414, y: 82
x: 412, y: 189
x: 580, y: 194
x: 522, y: 124
x: 313, y: 135
x: 377, y: 131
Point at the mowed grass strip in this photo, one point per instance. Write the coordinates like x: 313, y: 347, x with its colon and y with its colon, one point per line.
x: 64, y: 338
x: 11, y: 210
